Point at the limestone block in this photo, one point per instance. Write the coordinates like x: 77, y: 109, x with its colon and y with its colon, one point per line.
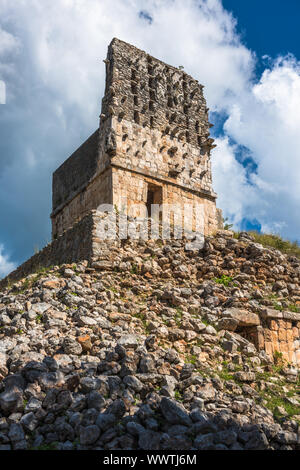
x: 272, y: 313
x: 269, y: 348
x: 283, y: 347
x: 296, y: 344
x: 274, y: 325
x: 285, y: 355
x: 282, y: 334
x: 289, y: 335
x: 268, y: 335
x: 244, y: 317
x: 260, y: 338
x: 294, y: 316
x: 282, y: 325
x: 296, y: 333
x: 292, y: 357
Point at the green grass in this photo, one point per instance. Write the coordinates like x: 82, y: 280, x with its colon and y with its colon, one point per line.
x: 29, y: 282
x: 113, y: 289
x: 293, y: 308
x: 190, y: 359
x: 278, y: 307
x: 278, y: 356
x: 178, y: 316
x: 134, y: 269
x: 225, y: 375
x: 273, y: 400
x: 141, y: 316
x: 224, y: 280
x: 276, y: 241
x: 178, y: 395
x: 51, y: 446
x: 227, y: 226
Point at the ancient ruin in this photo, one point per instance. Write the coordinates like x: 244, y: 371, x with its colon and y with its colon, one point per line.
x: 152, y: 146
x: 111, y: 342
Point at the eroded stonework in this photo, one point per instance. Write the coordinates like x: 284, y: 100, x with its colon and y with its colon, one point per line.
x: 152, y: 147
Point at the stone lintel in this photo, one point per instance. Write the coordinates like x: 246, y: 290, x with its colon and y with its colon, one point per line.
x: 278, y: 315
x: 292, y: 316
x: 272, y: 313
x: 201, y: 193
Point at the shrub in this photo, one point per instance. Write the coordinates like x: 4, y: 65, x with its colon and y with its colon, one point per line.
x: 225, y: 280
x: 276, y: 241
x: 226, y: 225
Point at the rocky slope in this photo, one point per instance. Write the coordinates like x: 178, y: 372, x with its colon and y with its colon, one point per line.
x: 143, y: 351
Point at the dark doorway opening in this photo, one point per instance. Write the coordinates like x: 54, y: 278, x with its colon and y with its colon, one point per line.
x: 154, y: 196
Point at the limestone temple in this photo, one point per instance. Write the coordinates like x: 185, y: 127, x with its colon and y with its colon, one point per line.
x: 152, y: 146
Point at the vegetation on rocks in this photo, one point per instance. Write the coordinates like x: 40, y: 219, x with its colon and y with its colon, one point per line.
x: 148, y: 351
x: 269, y: 240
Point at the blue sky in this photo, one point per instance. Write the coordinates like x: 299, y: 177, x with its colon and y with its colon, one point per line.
x: 245, y: 53
x: 268, y: 26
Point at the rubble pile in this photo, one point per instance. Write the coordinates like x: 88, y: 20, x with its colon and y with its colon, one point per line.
x: 151, y: 347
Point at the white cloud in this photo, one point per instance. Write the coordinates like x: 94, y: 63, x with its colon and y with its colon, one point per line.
x: 66, y: 40
x: 54, y: 90
x: 8, y: 42
x: 236, y: 194
x: 2, y: 92
x: 54, y: 87
x: 266, y: 120
x: 6, y: 266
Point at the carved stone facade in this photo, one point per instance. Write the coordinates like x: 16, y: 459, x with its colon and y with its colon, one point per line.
x: 153, y: 146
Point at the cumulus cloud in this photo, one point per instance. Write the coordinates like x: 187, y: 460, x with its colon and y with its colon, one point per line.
x: 2, y: 92
x: 55, y: 85
x: 51, y: 56
x: 6, y: 266
x: 266, y: 120
x: 65, y: 41
x: 237, y: 195
x: 8, y: 42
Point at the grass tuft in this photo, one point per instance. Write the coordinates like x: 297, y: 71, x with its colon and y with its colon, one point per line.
x: 276, y: 241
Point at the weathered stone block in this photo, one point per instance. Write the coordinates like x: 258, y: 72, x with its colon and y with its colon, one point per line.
x: 283, y: 347
x: 152, y: 147
x: 293, y: 316
x: 273, y: 325
x: 282, y: 334
x: 296, y: 333
x: 272, y: 313
x: 269, y: 348
x: 244, y: 317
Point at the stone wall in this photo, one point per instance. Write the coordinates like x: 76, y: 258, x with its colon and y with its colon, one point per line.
x: 153, y: 153
x: 154, y: 123
x: 153, y: 94
x: 280, y: 333
x: 74, y: 245
x: 131, y: 189
x: 74, y: 174
x: 275, y: 332
x: 98, y: 192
